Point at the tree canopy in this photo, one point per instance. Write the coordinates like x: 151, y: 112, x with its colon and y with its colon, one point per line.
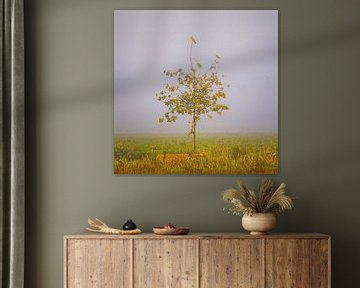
x: 193, y: 92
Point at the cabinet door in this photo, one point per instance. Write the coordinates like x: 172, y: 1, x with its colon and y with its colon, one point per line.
x: 98, y: 263
x: 320, y: 263
x: 165, y: 263
x: 231, y: 263
x: 287, y: 263
x: 297, y: 263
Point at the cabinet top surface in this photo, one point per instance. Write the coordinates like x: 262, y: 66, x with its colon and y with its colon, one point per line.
x: 87, y: 235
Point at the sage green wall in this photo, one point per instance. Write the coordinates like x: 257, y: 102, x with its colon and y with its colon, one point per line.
x: 69, y: 98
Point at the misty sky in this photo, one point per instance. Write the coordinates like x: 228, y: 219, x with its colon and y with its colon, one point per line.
x: 147, y: 41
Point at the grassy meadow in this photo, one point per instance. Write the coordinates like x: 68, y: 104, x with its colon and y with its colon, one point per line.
x: 216, y: 154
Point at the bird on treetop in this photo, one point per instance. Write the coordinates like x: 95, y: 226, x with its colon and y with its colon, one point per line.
x: 193, y: 39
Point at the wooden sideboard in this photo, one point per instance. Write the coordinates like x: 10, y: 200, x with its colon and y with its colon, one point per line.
x: 197, y: 260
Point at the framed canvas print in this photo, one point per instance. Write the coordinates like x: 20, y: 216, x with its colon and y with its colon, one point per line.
x: 196, y: 92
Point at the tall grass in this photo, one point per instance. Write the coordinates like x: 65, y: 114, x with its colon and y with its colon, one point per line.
x: 216, y: 154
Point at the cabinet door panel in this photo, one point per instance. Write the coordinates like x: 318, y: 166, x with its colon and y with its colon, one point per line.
x: 165, y: 263
x: 319, y: 263
x: 287, y: 263
x: 231, y: 263
x: 98, y: 264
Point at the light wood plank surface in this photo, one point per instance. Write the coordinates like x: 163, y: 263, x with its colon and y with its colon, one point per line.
x: 164, y: 263
x: 231, y: 263
x: 98, y: 264
x: 89, y: 235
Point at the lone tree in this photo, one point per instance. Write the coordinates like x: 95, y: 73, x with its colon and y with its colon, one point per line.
x: 195, y: 93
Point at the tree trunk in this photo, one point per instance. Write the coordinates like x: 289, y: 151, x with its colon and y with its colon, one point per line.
x: 194, y: 132
x: 195, y: 138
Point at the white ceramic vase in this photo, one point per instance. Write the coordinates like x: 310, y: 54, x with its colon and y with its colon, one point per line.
x: 259, y: 223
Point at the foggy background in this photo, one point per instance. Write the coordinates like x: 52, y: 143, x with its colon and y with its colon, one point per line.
x: 148, y: 41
